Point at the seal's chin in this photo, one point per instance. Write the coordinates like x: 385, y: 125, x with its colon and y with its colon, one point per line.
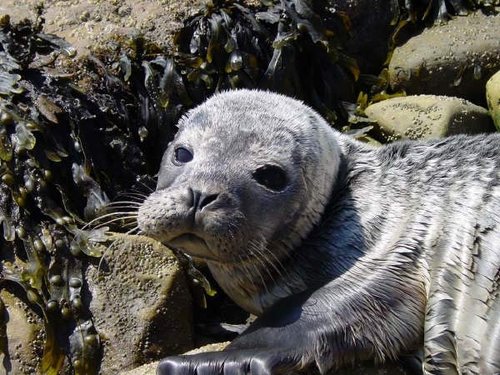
x: 193, y: 245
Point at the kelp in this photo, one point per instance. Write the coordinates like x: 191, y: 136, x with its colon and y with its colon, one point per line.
x: 62, y: 151
x: 289, y: 46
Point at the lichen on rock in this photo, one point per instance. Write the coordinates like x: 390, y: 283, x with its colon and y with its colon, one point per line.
x: 428, y: 117
x: 493, y: 98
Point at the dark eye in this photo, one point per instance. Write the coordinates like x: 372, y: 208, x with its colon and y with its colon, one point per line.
x: 183, y: 155
x: 271, y: 176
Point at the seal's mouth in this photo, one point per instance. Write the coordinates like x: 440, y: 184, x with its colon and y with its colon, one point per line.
x: 193, y: 245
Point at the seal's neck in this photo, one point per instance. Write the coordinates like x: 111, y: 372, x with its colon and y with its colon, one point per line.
x: 337, y: 240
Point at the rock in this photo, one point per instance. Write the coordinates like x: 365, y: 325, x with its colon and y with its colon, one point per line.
x: 24, y: 337
x: 147, y: 369
x: 428, y: 116
x: 140, y: 302
x: 493, y: 98
x: 87, y: 23
x: 454, y: 59
x: 215, y: 347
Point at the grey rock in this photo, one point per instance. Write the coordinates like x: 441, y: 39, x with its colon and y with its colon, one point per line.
x: 454, y: 59
x: 493, y: 98
x: 140, y: 302
x: 24, y: 337
x: 87, y: 23
x: 428, y: 116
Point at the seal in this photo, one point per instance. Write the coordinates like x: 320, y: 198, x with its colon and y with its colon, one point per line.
x: 344, y: 251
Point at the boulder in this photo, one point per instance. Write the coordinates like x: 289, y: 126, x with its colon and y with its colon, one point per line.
x: 140, y: 302
x: 493, y: 98
x: 454, y: 59
x: 23, y: 338
x: 87, y: 23
x: 428, y: 116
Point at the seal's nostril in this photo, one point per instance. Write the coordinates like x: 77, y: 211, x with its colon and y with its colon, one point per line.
x: 206, y: 200
x: 201, y: 200
x: 195, y: 197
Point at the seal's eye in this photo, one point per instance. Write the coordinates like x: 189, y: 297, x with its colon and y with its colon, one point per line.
x: 183, y: 155
x: 271, y: 176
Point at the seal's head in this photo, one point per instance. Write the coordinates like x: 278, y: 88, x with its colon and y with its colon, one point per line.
x: 241, y: 185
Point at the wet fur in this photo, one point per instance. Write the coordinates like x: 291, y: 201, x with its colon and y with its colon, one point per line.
x: 405, y: 254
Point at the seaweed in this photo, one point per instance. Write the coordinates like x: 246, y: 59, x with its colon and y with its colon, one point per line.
x: 289, y: 46
x: 55, y: 166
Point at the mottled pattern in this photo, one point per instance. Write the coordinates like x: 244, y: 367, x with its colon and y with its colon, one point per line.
x: 405, y: 255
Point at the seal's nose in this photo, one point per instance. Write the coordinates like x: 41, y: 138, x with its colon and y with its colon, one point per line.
x: 201, y: 200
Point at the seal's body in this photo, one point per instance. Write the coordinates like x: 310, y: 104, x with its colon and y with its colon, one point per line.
x: 344, y: 251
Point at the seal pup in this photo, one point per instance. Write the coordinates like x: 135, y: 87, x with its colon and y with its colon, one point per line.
x: 345, y: 252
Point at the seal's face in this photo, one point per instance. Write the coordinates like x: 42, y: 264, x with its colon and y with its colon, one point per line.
x: 220, y: 189
x: 242, y: 183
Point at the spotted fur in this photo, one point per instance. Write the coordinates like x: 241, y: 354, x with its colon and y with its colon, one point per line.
x: 370, y: 253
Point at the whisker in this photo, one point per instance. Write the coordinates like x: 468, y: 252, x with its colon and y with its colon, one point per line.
x: 266, y: 269
x: 264, y: 284
x: 97, y: 219
x: 149, y: 188
x: 124, y: 218
x: 118, y: 208
x: 273, y: 263
x: 132, y: 222
x: 135, y: 203
x: 247, y: 273
x: 260, y: 256
x: 132, y: 230
x: 133, y: 195
x: 152, y: 180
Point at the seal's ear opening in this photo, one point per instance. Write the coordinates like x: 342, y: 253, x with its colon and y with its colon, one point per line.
x: 272, y: 177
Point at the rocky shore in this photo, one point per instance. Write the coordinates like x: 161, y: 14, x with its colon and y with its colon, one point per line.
x: 90, y: 92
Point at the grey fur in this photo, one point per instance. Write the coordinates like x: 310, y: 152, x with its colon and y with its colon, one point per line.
x: 368, y: 254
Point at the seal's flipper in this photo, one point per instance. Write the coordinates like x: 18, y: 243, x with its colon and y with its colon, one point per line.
x: 232, y: 362
x: 276, y: 343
